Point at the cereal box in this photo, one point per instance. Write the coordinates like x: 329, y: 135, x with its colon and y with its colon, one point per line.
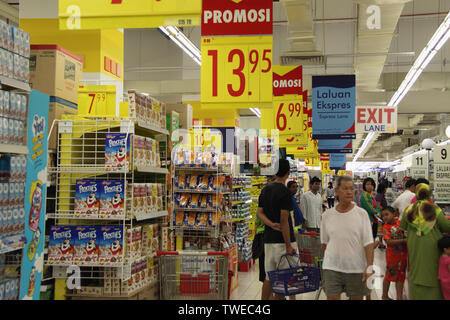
x: 111, y: 245
x: 87, y: 198
x: 112, y: 199
x: 117, y: 151
x: 86, y: 245
x: 60, y: 245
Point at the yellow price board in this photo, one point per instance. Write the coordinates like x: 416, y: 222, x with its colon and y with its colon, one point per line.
x: 291, y: 121
x: 237, y: 71
x: 129, y: 14
x: 206, y: 139
x: 325, y: 167
x: 97, y: 101
x: 312, y: 162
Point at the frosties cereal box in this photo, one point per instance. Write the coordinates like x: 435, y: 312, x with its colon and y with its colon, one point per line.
x: 87, y: 198
x: 86, y: 245
x: 111, y: 245
x: 112, y: 199
x: 61, y: 245
x: 117, y: 152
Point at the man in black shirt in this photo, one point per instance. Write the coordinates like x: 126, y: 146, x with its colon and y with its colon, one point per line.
x: 275, y: 204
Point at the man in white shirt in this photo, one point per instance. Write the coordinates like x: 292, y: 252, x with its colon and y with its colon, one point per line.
x: 404, y: 200
x: 311, y: 206
x: 347, y: 242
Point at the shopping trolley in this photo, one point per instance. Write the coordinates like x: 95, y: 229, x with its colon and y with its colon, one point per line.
x: 194, y: 275
x: 310, y: 254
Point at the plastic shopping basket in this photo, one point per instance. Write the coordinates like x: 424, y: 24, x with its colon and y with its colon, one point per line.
x: 294, y: 280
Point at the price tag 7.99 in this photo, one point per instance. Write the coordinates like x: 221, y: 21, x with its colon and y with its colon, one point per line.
x: 237, y: 70
x: 97, y: 101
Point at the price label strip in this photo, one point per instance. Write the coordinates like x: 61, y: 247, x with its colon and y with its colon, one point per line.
x: 236, y: 72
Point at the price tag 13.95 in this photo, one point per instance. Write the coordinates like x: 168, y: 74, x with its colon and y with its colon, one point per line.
x: 236, y: 70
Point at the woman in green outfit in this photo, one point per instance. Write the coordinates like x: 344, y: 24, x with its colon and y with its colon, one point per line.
x: 368, y: 203
x: 424, y: 223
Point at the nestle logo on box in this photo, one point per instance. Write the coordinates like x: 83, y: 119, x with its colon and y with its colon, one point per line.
x: 290, y: 83
x: 237, y: 17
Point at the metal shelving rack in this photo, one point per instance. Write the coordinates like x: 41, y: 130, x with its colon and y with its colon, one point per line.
x: 81, y: 155
x: 10, y: 246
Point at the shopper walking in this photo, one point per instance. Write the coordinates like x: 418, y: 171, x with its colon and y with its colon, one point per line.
x: 424, y: 223
x: 419, y: 181
x: 330, y: 195
x: 368, y: 203
x: 396, y: 254
x: 275, y: 204
x: 347, y: 243
x: 444, y: 266
x: 296, y: 212
x: 404, y: 200
x: 311, y: 206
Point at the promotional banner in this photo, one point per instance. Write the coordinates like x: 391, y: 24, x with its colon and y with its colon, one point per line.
x: 127, y: 14
x: 338, y: 161
x: 334, y: 102
x: 35, y: 196
x: 335, y: 146
x: 237, y: 17
x: 376, y: 119
x: 311, y: 151
x: 288, y: 80
x: 441, y: 173
x: 236, y: 50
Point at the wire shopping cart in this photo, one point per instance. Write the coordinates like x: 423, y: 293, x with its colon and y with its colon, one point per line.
x: 310, y: 253
x: 194, y: 275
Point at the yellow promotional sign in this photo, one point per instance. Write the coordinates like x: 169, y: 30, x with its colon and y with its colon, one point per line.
x: 236, y: 72
x: 205, y: 138
x: 325, y: 167
x: 312, y: 162
x: 291, y: 121
x: 129, y: 14
x: 97, y: 101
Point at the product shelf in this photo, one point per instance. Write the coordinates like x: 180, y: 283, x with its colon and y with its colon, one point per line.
x: 195, y: 209
x: 112, y: 296
x: 197, y: 169
x: 152, y: 129
x: 71, y: 216
x: 144, y: 169
x: 13, y: 148
x: 196, y: 191
x: 94, y: 265
x: 151, y: 215
x: 12, y: 243
x: 14, y: 84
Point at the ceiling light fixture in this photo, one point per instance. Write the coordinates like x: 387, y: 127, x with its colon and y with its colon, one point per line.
x: 183, y: 42
x: 436, y: 42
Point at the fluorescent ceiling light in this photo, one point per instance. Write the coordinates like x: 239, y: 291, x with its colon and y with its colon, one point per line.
x: 256, y: 111
x: 443, y: 143
x: 436, y: 42
x: 183, y: 42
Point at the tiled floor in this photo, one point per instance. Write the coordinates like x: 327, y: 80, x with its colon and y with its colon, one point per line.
x: 249, y: 287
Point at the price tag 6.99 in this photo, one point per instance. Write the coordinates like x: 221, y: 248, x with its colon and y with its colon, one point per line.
x: 292, y: 122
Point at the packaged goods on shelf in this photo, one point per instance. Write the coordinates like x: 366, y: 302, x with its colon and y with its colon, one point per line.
x: 112, y: 199
x: 87, y: 198
x: 146, y: 152
x: 12, y: 196
x: 61, y: 245
x: 110, y: 245
x: 242, y: 181
x: 146, y: 109
x: 86, y: 245
x: 13, y: 113
x: 202, y: 159
x: 9, y: 289
x: 202, y: 182
x: 147, y: 197
x: 117, y: 152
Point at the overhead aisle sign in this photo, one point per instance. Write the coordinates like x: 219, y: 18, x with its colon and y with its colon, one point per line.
x: 335, y: 146
x: 128, y: 14
x: 441, y: 173
x: 338, y: 161
x: 236, y: 50
x: 376, y: 119
x: 334, y: 102
x: 420, y: 166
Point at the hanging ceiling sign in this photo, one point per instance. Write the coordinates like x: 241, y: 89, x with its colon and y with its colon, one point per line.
x: 287, y: 80
x: 128, y: 14
x: 376, y: 119
x: 338, y: 161
x: 442, y: 173
x: 236, y: 50
x: 334, y: 102
x: 335, y: 146
x: 291, y: 121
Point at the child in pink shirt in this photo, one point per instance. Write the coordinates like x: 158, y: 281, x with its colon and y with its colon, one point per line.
x: 444, y: 266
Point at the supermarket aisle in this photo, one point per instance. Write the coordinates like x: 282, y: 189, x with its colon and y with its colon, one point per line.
x: 249, y: 287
